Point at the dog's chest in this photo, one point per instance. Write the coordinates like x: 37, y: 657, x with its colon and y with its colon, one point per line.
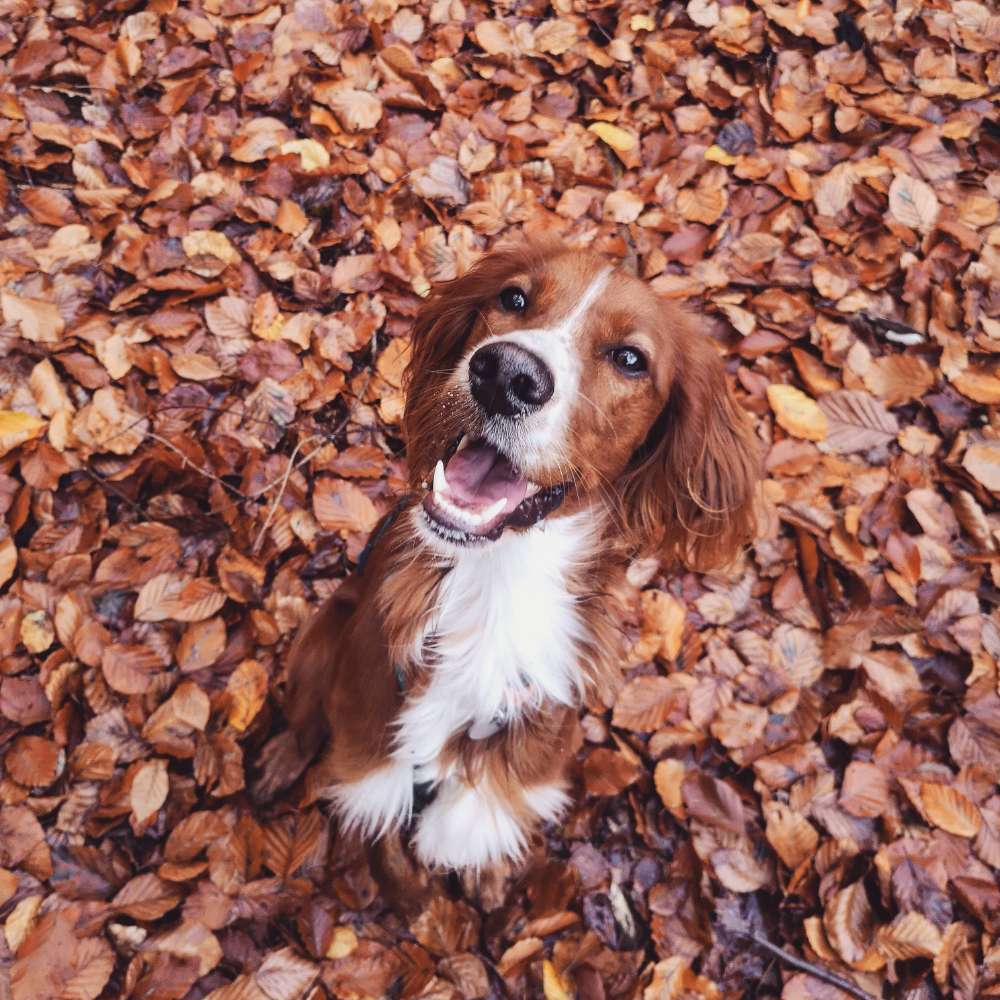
x: 504, y: 639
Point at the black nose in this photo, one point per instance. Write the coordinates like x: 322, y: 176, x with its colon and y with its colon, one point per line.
x: 508, y: 380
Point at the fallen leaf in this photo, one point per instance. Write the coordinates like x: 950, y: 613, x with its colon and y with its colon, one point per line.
x: 913, y: 203
x: 797, y: 413
x: 16, y: 428
x: 150, y: 786
x: 247, y: 689
x: 617, y: 138
x: 949, y: 809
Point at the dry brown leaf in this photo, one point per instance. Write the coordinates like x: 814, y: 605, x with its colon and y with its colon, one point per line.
x: 913, y: 203
x: 910, y: 935
x: 668, y: 777
x: 341, y: 506
x: 865, y: 791
x: 983, y: 462
x: 37, y: 320
x: 20, y: 921
x: 645, y: 703
x: 792, y: 836
x: 622, y: 206
x: 357, y: 110
x: 849, y: 923
x: 898, y: 378
x: 34, y: 761
x: 150, y: 785
x: 856, y: 421
x: 949, y: 809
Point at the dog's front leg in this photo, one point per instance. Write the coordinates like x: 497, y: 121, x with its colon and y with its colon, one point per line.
x: 476, y: 825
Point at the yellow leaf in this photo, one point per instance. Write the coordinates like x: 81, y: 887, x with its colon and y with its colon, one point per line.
x: 20, y: 921
x: 8, y: 559
x: 668, y: 778
x: 209, y: 243
x: 343, y: 943
x: 641, y: 22
x: 16, y: 428
x: 617, y: 138
x: 718, y: 155
x: 37, y: 633
x: 553, y: 985
x: 312, y: 155
x: 797, y: 413
x: 247, y: 689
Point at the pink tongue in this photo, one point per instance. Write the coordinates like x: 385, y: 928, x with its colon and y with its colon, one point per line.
x: 478, y: 476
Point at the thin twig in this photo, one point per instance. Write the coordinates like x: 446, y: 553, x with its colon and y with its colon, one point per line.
x: 816, y: 971
x: 107, y: 484
x: 267, y: 487
x: 281, y: 492
x: 188, y: 464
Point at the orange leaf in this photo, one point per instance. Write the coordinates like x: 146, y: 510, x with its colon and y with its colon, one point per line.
x: 949, y: 809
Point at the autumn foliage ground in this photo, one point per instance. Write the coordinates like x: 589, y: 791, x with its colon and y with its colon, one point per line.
x: 218, y: 218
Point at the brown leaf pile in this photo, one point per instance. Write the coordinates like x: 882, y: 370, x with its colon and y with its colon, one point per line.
x: 219, y: 217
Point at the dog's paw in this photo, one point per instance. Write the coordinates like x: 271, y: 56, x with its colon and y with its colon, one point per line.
x: 467, y: 827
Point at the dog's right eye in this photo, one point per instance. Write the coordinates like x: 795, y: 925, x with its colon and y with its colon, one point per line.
x: 513, y: 300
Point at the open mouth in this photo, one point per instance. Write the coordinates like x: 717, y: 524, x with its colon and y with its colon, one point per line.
x: 478, y: 491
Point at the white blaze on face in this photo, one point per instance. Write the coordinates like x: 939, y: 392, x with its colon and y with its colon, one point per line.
x: 538, y: 440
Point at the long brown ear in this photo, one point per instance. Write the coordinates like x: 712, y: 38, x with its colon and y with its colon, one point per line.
x: 690, y: 494
x: 437, y: 342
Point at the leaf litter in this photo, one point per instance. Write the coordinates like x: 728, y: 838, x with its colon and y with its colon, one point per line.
x: 219, y: 219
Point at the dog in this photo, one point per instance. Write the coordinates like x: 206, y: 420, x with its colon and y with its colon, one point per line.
x: 559, y: 418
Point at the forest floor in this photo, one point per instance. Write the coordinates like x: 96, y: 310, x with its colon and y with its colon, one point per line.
x: 217, y: 220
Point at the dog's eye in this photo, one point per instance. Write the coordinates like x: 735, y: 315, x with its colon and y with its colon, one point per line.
x: 628, y: 360
x: 513, y: 300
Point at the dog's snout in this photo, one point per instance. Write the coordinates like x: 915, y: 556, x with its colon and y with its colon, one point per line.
x: 508, y: 380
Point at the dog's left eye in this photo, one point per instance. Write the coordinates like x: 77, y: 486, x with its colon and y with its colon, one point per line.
x: 513, y: 300
x: 628, y: 360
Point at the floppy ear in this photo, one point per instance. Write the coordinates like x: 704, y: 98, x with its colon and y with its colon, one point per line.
x: 437, y: 342
x: 690, y: 493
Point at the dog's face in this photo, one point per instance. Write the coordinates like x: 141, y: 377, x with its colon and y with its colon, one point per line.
x: 546, y: 379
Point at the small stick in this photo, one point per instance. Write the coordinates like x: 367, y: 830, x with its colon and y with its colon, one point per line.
x: 188, y: 464
x: 816, y: 971
x: 281, y: 492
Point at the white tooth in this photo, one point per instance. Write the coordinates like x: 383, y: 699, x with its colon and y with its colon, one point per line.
x: 440, y: 483
x: 533, y: 488
x: 464, y: 443
x: 491, y: 512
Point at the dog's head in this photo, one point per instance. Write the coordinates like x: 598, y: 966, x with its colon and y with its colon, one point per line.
x: 545, y: 379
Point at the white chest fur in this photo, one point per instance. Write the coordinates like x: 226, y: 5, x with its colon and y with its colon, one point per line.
x: 504, y: 635
x: 505, y: 632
